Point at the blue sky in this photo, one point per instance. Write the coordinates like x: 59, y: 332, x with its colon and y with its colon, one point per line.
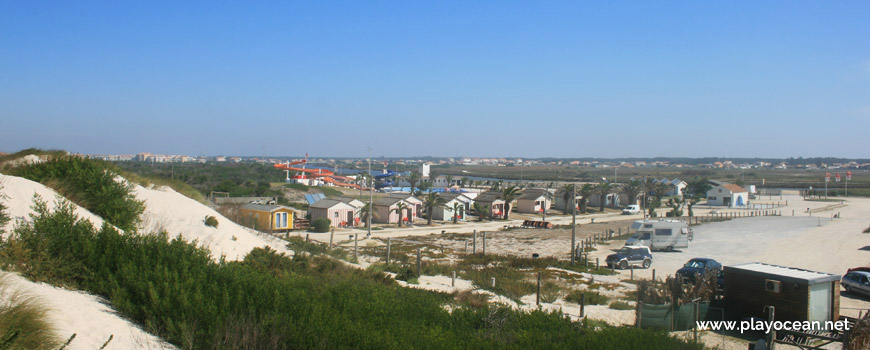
x: 487, y: 78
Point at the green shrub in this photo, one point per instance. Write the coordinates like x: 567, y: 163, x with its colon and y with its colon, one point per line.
x: 270, y: 301
x: 320, y: 225
x: 592, y: 297
x: 211, y: 221
x: 621, y: 305
x: 91, y: 184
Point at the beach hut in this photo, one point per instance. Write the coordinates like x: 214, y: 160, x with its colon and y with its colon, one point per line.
x: 534, y: 200
x: 271, y: 218
x: 493, y: 201
x: 339, y: 214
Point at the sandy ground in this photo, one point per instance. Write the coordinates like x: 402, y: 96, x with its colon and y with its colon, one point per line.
x: 86, y: 316
x: 170, y: 211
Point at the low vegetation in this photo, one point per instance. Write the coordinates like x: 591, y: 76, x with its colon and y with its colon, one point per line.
x: 23, y: 321
x: 271, y: 301
x: 591, y: 297
x: 90, y: 184
x: 211, y: 221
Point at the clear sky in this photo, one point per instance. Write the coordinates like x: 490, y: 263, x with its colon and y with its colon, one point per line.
x: 441, y: 78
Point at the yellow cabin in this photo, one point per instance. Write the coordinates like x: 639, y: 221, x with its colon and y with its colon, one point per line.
x: 271, y: 218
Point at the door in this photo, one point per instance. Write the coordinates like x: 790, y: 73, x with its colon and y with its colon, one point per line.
x: 726, y: 201
x: 350, y: 217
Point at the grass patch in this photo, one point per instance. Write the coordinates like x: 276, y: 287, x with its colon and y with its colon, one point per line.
x: 298, y: 244
x: 23, y: 321
x: 592, y: 297
x: 621, y: 305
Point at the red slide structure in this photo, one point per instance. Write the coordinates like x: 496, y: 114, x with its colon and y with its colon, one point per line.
x: 325, y: 175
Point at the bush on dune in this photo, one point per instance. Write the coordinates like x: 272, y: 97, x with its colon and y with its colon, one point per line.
x: 272, y: 301
x: 91, y: 184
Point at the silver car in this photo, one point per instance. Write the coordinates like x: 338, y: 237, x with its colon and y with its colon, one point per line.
x: 857, y: 282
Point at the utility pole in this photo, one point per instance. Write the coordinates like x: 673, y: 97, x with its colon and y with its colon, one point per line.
x: 573, y: 220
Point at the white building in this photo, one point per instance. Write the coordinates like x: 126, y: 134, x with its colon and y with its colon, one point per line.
x: 728, y: 195
x: 424, y: 170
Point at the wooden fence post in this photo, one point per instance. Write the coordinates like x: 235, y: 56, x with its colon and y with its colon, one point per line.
x: 389, y: 246
x: 538, y: 293
x: 419, y: 262
x: 474, y: 243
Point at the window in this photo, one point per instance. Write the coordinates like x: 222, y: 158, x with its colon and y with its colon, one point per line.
x: 335, y: 214
x: 663, y: 232
x: 280, y: 220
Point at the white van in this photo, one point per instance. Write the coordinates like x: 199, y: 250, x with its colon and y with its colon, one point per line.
x: 662, y: 234
x: 631, y: 209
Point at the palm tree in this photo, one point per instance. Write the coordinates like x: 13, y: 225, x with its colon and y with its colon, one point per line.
x: 568, y: 196
x: 509, y: 194
x: 431, y: 201
x: 482, y: 211
x: 457, y: 210
x: 449, y: 180
x: 464, y: 180
x: 648, y: 187
x: 604, y: 188
x: 585, y: 191
x: 413, y: 179
x: 400, y: 208
x: 364, y: 212
x: 632, y: 189
x: 423, y: 188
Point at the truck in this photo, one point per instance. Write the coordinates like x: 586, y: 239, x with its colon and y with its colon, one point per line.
x: 661, y: 234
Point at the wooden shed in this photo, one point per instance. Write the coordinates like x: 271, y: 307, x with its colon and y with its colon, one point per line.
x: 340, y: 214
x: 534, y: 200
x: 385, y: 210
x: 493, y: 201
x: 796, y: 294
x: 271, y: 218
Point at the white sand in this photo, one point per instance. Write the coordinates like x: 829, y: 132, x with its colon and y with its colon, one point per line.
x: 86, y: 316
x: 170, y: 211
x: 17, y: 194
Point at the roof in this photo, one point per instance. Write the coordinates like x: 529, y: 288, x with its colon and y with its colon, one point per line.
x: 734, y: 188
x: 784, y: 272
x: 349, y: 200
x: 327, y: 203
x: 313, y: 198
x: 489, y: 196
x: 265, y: 207
x: 387, y: 201
x: 449, y: 196
x: 405, y: 196
x: 535, y: 193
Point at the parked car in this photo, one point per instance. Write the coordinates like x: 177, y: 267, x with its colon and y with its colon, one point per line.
x: 630, y: 256
x: 699, y: 266
x: 631, y: 210
x: 860, y: 268
x: 856, y: 282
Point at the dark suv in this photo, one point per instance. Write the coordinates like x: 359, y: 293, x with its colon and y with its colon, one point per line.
x: 630, y: 256
x: 699, y: 266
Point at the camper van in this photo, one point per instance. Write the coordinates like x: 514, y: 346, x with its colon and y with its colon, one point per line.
x: 663, y: 234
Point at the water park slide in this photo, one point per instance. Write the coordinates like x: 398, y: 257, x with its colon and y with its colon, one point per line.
x: 326, y: 175
x: 385, y: 182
